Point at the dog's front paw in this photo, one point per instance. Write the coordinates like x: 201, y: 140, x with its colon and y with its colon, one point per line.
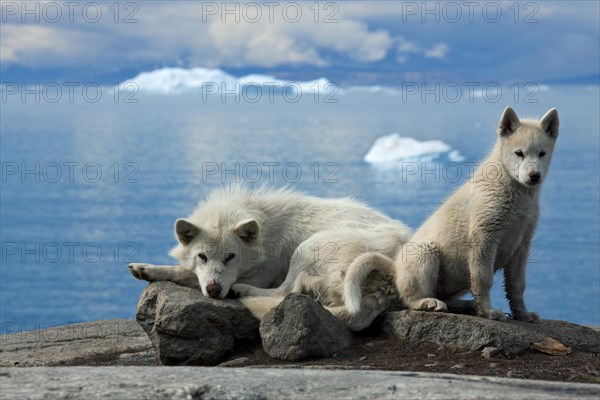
x: 526, y: 316
x: 241, y: 289
x: 138, y: 270
x: 492, y: 313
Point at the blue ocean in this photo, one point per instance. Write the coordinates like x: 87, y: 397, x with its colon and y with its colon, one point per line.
x: 89, y: 185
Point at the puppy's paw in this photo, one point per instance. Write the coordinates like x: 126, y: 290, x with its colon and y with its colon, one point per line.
x: 526, y: 316
x: 138, y: 270
x: 429, y: 304
x: 241, y: 289
x: 492, y: 313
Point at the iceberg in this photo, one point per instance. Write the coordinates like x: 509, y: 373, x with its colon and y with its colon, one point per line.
x: 379, y: 89
x: 180, y: 80
x: 174, y: 80
x: 395, y: 148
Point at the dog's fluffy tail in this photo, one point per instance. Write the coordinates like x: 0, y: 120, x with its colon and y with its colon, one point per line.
x: 260, y: 305
x: 357, y: 273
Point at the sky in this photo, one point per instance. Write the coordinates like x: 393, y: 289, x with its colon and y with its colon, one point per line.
x: 349, y: 42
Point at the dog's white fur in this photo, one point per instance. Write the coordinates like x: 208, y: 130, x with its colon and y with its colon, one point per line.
x: 251, y: 237
x: 487, y: 224
x: 322, y: 266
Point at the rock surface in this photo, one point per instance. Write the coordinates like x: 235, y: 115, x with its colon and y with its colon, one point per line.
x: 251, y: 383
x: 299, y: 328
x: 114, y: 342
x: 187, y: 328
x: 465, y: 332
x: 122, y: 342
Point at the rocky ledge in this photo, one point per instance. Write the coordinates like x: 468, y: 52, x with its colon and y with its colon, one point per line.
x: 187, y: 328
x: 112, y: 342
x: 178, y: 326
x: 261, y: 384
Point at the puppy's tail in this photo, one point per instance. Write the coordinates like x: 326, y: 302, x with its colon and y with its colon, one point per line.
x: 357, y: 273
x: 260, y: 305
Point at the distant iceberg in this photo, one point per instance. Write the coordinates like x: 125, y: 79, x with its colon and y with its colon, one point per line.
x: 178, y: 80
x: 387, y: 90
x: 181, y: 80
x: 395, y: 148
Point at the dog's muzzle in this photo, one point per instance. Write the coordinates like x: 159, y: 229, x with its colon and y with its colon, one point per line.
x: 534, y: 178
x: 213, y: 289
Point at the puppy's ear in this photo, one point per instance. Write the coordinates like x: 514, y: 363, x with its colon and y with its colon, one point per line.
x: 549, y: 123
x: 185, y: 231
x: 509, y: 122
x: 247, y: 230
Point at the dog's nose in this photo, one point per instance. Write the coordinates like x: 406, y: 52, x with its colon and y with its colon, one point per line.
x: 534, y: 177
x: 213, y: 290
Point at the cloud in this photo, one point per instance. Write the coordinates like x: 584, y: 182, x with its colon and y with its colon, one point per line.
x: 365, y: 39
x: 183, y: 35
x: 438, y: 51
x: 265, y: 45
x: 352, y: 39
x: 280, y: 42
x: 406, y: 47
x: 32, y: 45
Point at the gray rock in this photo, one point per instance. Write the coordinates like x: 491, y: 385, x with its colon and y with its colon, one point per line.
x: 253, y: 384
x: 112, y: 342
x: 187, y: 328
x: 465, y: 332
x: 299, y: 328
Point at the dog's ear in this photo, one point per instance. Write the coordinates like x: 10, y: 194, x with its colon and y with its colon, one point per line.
x: 549, y: 123
x: 185, y: 231
x: 509, y: 122
x: 247, y: 230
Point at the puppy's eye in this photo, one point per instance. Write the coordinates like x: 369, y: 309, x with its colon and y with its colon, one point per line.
x: 229, y: 257
x: 520, y: 153
x: 203, y: 257
x: 542, y: 154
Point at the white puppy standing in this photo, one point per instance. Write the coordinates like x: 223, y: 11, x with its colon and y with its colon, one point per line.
x: 486, y: 225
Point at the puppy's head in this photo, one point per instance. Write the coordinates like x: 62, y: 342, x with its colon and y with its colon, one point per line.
x: 527, y: 146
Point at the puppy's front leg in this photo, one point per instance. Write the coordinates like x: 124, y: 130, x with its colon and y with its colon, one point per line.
x: 482, y: 255
x: 152, y: 273
x: 514, y: 283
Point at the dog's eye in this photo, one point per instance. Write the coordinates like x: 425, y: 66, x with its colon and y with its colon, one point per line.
x: 542, y: 154
x: 229, y: 257
x: 203, y: 257
x: 520, y: 153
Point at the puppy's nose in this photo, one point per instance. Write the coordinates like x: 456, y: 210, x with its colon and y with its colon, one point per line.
x: 213, y: 290
x: 534, y: 177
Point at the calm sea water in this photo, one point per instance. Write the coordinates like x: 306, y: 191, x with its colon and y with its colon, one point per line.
x: 87, y: 188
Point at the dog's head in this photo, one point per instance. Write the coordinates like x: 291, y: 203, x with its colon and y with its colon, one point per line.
x: 527, y: 146
x: 218, y: 255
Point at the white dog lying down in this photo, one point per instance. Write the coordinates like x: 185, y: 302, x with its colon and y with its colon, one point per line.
x: 252, y: 238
